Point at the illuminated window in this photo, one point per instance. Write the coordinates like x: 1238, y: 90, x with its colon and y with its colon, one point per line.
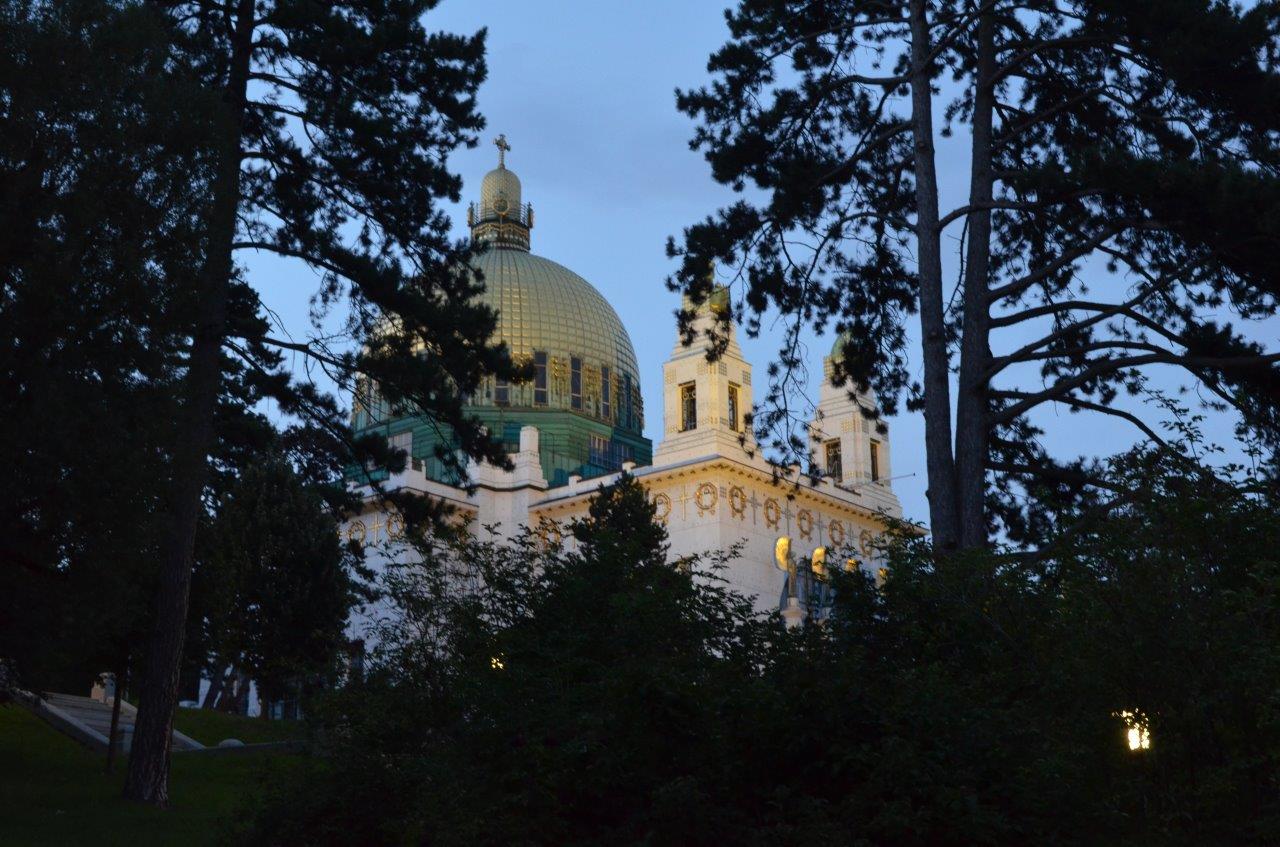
x: 834, y: 467
x: 540, y: 378
x: 606, y: 388
x: 575, y: 382
x: 688, y: 407
x: 875, y: 460
x: 733, y: 407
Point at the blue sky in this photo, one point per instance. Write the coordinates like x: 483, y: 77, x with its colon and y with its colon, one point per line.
x: 584, y: 92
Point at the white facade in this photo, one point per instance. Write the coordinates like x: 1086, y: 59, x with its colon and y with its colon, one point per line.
x: 712, y: 488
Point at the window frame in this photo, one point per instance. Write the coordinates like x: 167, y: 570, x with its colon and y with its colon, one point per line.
x: 627, y: 401
x: 688, y: 406
x: 606, y: 404
x: 830, y: 446
x: 540, y: 393
x: 575, y: 383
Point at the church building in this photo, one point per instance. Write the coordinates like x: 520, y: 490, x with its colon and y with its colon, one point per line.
x: 579, y: 423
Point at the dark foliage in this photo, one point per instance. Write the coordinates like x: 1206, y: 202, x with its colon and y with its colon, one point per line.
x: 539, y: 696
x: 102, y: 181
x: 274, y: 584
x: 1120, y: 215
x: 329, y: 147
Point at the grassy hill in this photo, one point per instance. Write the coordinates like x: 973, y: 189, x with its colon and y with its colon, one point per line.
x: 53, y: 791
x: 211, y: 727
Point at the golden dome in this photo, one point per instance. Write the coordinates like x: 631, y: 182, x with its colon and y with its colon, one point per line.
x: 545, y: 308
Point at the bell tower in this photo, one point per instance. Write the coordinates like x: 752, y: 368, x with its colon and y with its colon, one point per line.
x: 705, y: 404
x: 850, y: 446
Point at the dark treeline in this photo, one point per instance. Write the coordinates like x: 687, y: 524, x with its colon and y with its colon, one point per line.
x: 535, y: 696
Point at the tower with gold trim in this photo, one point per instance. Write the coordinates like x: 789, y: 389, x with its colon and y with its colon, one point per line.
x: 706, y: 405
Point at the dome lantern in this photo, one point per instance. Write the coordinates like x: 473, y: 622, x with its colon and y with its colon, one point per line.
x: 501, y: 219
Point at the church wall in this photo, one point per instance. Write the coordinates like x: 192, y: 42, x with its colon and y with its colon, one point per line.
x: 718, y: 509
x: 706, y: 506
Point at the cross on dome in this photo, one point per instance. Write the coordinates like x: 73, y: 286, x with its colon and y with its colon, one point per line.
x: 503, y: 148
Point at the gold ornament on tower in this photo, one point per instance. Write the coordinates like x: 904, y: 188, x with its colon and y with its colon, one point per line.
x: 706, y: 498
x: 662, y: 507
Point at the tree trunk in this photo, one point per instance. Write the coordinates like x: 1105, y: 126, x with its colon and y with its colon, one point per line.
x: 113, y: 737
x: 240, y: 703
x: 148, y: 778
x: 227, y: 697
x: 216, y: 684
x: 972, y: 407
x: 943, y: 514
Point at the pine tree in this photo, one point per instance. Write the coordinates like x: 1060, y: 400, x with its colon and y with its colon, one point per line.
x: 103, y: 178
x: 1080, y: 269
x: 329, y: 148
x: 273, y: 584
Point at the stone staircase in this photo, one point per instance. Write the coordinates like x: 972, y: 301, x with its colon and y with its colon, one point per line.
x: 88, y: 720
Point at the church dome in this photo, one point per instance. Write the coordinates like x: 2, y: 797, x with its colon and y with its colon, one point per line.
x: 545, y: 307
x: 584, y: 397
x: 549, y: 316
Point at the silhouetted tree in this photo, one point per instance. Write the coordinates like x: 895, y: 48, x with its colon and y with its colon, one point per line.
x: 103, y: 185
x: 329, y: 148
x: 273, y: 583
x: 1099, y: 134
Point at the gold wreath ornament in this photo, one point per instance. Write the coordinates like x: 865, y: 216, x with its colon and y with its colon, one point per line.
x: 662, y: 507
x: 772, y: 513
x: 706, y: 497
x: 804, y: 520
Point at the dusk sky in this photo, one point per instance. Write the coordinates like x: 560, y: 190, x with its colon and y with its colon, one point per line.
x: 584, y: 92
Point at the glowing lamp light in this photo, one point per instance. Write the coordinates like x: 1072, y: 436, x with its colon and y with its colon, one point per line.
x: 782, y: 553
x: 819, y: 561
x: 1136, y: 733
x: 496, y: 663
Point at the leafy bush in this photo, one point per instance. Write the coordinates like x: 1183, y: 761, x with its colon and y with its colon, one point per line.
x: 532, y: 695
